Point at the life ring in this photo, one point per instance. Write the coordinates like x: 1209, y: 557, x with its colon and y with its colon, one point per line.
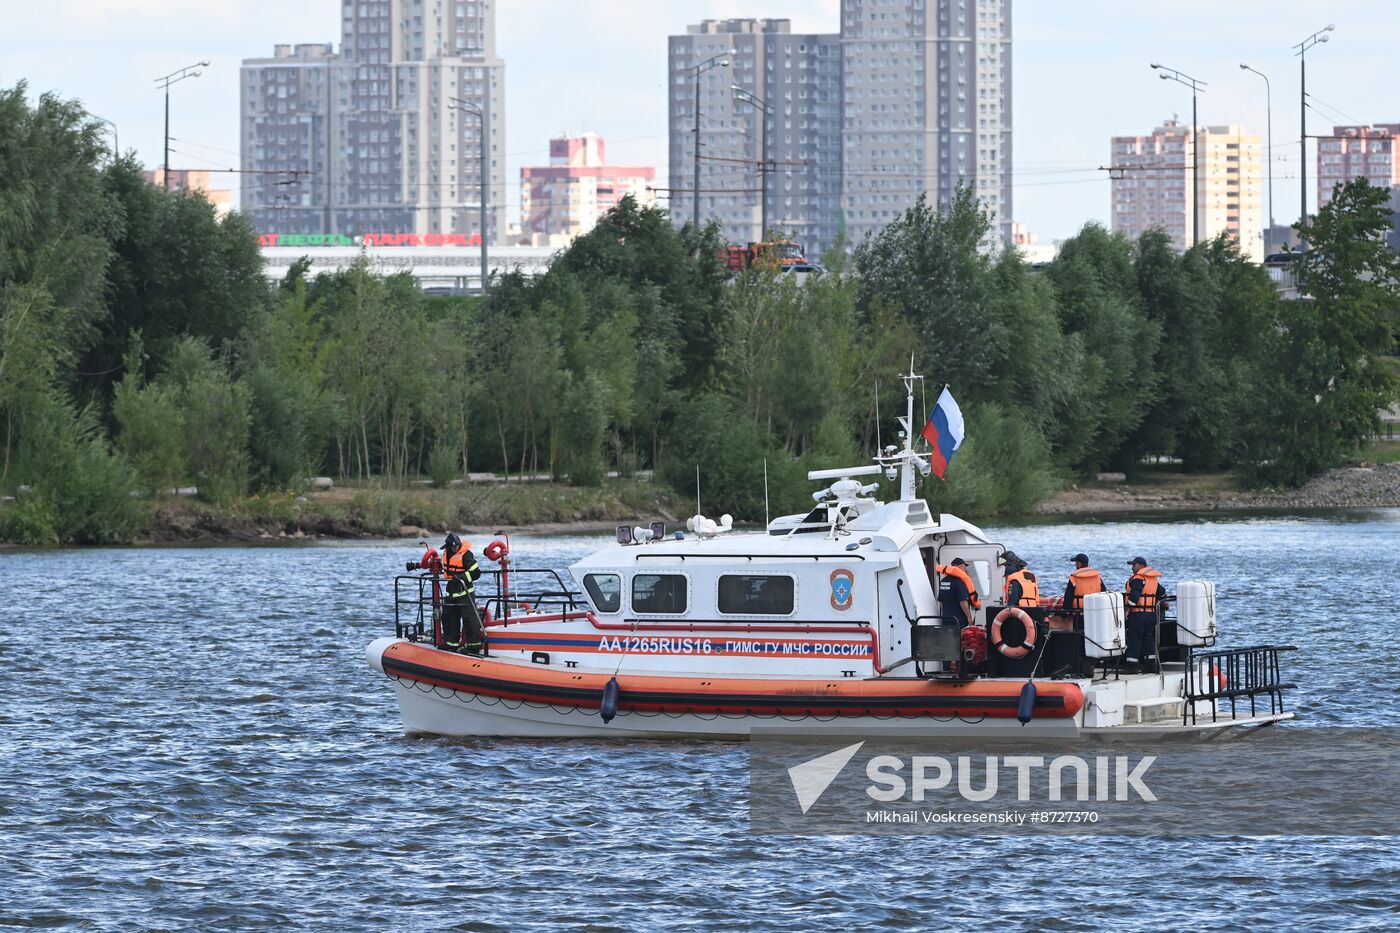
x: 496, y: 550
x: 1017, y: 651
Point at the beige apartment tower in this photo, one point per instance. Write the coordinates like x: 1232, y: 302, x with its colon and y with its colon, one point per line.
x: 1358, y: 152
x: 1152, y: 185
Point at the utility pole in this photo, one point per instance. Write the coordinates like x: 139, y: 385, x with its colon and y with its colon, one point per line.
x: 763, y: 163
x: 1302, y: 47
x: 1171, y: 74
x: 189, y: 71
x: 717, y: 61
x: 482, y: 113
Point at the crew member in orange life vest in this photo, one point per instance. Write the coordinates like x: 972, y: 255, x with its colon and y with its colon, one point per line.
x: 461, y: 625
x: 1141, y: 593
x: 957, y: 594
x: 1021, y: 588
x: 1083, y: 581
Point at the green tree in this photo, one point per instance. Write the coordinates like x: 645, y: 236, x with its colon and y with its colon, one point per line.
x: 80, y: 492
x: 1328, y: 381
x: 150, y: 424
x: 177, y: 270
x: 56, y: 225
x: 1109, y: 351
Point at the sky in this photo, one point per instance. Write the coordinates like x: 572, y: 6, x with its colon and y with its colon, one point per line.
x: 1080, y: 75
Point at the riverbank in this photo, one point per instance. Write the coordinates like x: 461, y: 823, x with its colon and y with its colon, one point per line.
x: 1369, y: 486
x: 350, y: 512
x: 372, y: 511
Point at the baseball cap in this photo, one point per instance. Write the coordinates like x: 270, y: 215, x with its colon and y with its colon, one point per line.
x: 1080, y: 558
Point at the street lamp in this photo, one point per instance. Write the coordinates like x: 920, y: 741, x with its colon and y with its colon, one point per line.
x: 1171, y: 74
x: 1269, y: 120
x: 189, y: 71
x: 1302, y: 47
x: 482, y: 114
x: 116, y: 141
x: 715, y: 61
x: 763, y: 164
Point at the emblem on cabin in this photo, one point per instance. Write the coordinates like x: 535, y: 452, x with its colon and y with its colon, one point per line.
x: 842, y: 582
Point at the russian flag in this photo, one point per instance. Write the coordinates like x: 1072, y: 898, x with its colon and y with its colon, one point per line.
x: 944, y: 432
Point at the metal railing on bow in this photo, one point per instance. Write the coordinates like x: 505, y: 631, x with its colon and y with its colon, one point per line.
x: 502, y: 596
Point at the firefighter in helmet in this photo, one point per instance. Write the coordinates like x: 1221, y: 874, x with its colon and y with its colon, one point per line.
x: 461, y: 625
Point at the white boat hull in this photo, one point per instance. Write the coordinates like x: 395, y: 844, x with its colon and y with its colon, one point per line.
x: 435, y: 710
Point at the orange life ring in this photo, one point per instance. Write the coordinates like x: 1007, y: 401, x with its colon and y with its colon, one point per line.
x: 1023, y: 649
x: 496, y: 550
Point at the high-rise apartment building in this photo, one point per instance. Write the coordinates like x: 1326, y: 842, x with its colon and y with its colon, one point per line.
x: 1358, y: 152
x: 385, y: 136
x: 910, y: 97
x: 926, y: 107
x: 193, y: 179
x: 565, y: 198
x: 1152, y: 185
x: 797, y: 78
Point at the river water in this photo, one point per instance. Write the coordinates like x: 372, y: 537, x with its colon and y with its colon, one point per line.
x: 190, y: 739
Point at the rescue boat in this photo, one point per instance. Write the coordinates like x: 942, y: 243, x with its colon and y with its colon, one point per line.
x: 821, y: 620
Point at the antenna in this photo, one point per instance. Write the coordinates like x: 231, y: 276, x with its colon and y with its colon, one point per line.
x: 765, y: 493
x: 879, y: 451
x: 923, y: 395
x: 697, y: 489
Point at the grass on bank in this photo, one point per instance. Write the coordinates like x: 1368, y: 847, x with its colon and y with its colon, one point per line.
x: 1378, y: 452
x: 382, y: 509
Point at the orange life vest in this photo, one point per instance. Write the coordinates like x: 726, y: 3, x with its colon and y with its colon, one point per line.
x: 463, y: 566
x: 1030, y: 589
x: 1151, y: 590
x: 1086, y: 580
x: 948, y: 570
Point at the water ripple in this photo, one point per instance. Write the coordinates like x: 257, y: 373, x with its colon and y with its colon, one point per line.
x: 189, y: 739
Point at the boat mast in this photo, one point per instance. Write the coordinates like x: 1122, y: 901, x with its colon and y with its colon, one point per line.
x: 895, y: 463
x: 907, y: 456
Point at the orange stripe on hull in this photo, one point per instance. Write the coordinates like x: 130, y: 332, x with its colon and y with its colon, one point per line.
x: 544, y: 684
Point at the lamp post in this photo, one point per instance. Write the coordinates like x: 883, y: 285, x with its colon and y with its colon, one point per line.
x: 1302, y: 47
x: 1269, y: 123
x: 1171, y: 74
x: 116, y: 141
x: 715, y: 61
x: 483, y: 114
x: 763, y: 164
x: 189, y: 71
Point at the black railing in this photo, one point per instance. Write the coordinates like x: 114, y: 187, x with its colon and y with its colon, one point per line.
x: 415, y: 610
x: 538, y: 591
x: 1234, y: 675
x: 531, y: 591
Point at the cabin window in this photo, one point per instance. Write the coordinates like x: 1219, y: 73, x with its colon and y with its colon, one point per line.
x: 750, y: 595
x: 658, y: 592
x: 605, y: 590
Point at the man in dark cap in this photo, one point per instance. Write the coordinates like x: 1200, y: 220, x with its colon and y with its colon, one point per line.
x: 957, y: 594
x: 1083, y: 581
x: 1142, y: 593
x: 1021, y: 588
